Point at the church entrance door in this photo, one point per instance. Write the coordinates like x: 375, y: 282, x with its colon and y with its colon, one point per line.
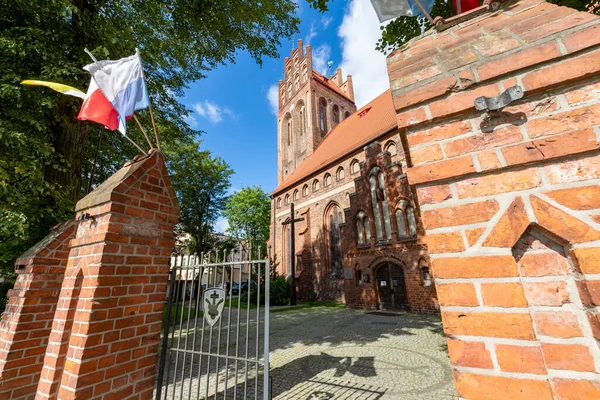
x: 391, y: 287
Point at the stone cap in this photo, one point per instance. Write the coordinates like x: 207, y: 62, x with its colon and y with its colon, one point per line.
x: 438, y: 75
x: 126, y: 176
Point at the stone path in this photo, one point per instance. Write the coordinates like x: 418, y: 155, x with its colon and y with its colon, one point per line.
x: 332, y: 353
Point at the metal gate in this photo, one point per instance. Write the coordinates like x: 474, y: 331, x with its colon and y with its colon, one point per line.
x: 215, y: 340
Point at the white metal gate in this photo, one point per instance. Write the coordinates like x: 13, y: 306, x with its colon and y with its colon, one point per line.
x: 215, y: 340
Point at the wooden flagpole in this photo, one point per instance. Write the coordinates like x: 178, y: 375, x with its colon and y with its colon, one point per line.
x: 154, y: 126
x: 142, y: 129
x: 135, y: 144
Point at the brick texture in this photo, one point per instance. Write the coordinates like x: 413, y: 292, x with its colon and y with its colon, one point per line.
x: 520, y: 186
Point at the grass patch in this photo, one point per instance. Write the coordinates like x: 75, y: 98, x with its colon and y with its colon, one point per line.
x: 304, y: 305
x: 235, y: 301
x: 177, y: 313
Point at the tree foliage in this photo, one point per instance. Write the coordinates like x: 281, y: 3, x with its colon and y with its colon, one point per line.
x: 45, y: 153
x: 248, y: 213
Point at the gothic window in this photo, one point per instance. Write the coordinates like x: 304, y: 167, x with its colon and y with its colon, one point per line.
x: 327, y: 180
x: 297, y: 81
x: 354, y: 167
x: 290, y: 91
x: 323, y: 116
x: 302, y: 122
x: 296, y: 195
x: 305, y: 191
x: 287, y: 199
x: 380, y: 208
x: 289, y: 132
x: 405, y: 220
x: 316, y: 185
x: 363, y: 228
x: 335, y: 114
x: 346, y: 114
x: 333, y: 219
x: 340, y: 174
x: 391, y: 147
x: 279, y: 202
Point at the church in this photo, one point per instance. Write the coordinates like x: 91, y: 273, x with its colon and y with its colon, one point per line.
x: 360, y: 239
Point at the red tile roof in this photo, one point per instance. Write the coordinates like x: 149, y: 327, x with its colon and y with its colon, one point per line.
x: 356, y: 131
x: 327, y: 82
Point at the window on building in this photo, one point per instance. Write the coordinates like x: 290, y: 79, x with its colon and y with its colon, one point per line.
x: 305, y: 191
x: 346, y: 114
x: 340, y: 174
x: 296, y: 194
x: 425, y: 275
x: 327, y: 180
x: 335, y: 114
x: 406, y: 220
x: 323, y: 116
x: 316, y: 185
x: 289, y: 132
x: 391, y: 147
x: 363, y: 228
x: 302, y: 122
x: 287, y: 199
x: 333, y: 218
x: 380, y: 207
x: 290, y: 91
x: 279, y: 202
x: 354, y: 167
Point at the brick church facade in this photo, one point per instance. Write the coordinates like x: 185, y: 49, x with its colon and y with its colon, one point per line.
x: 361, y: 240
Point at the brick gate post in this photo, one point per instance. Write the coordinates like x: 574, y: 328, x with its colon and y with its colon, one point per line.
x: 510, y: 199
x: 27, y: 319
x: 106, y: 329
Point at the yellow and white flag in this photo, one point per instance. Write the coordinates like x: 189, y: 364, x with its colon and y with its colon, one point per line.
x: 59, y: 87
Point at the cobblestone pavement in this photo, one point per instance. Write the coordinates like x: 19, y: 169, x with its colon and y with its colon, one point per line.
x: 326, y: 353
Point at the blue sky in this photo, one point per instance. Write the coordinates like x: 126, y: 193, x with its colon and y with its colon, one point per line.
x: 235, y: 105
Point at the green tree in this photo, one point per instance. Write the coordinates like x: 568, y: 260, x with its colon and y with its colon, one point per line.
x: 45, y: 152
x: 248, y: 213
x: 200, y: 182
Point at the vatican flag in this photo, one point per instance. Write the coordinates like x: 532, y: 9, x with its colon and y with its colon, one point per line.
x: 59, y: 87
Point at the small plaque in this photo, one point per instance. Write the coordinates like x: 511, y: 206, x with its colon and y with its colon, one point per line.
x: 214, y: 302
x: 383, y: 283
x: 348, y: 273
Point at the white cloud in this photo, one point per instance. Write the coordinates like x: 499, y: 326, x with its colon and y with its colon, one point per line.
x: 325, y: 21
x: 221, y: 225
x: 191, y: 121
x: 311, y: 34
x: 359, y: 33
x: 320, y: 57
x: 212, y: 111
x: 273, y: 98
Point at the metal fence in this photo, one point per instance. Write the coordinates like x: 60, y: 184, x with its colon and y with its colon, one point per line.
x: 215, y: 340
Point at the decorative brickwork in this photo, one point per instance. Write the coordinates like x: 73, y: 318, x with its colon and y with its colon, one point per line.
x: 27, y: 320
x: 518, y: 187
x: 106, y: 321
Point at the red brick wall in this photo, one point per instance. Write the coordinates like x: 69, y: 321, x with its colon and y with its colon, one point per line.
x: 107, y: 318
x: 27, y: 319
x: 508, y: 199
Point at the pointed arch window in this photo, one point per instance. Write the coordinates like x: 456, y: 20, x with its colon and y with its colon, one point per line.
x: 305, y: 191
x: 316, y: 185
x: 354, y: 167
x: 335, y: 114
x: 406, y: 220
x: 381, y: 212
x: 333, y: 219
x: 302, y: 121
x: 346, y: 114
x: 363, y: 228
x: 279, y: 202
x: 340, y: 174
x: 323, y: 116
x: 391, y: 147
x: 296, y: 195
x: 327, y: 180
x: 287, y: 199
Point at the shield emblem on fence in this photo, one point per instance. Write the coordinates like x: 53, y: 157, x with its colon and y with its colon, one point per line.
x: 213, y: 301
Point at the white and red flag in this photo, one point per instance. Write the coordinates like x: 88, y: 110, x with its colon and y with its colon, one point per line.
x: 116, y: 91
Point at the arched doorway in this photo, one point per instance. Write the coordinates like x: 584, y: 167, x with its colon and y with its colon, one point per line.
x: 391, y: 287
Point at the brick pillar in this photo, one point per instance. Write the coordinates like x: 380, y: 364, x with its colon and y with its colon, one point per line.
x: 27, y: 320
x: 510, y: 199
x: 107, y: 326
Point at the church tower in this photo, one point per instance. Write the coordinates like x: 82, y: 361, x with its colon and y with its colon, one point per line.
x: 310, y: 106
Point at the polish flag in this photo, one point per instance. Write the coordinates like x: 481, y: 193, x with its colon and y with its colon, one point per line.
x: 117, y: 90
x: 98, y: 109
x: 465, y: 5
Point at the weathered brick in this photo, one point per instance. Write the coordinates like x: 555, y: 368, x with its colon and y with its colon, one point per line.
x: 577, y: 198
x: 404, y: 99
x: 562, y: 224
x: 422, y: 155
x: 460, y: 215
x: 441, y: 170
x: 411, y: 117
x: 588, y: 260
x: 509, y: 181
x: 445, y: 242
x: 457, y: 294
x: 575, y: 389
x: 582, y: 39
x: 492, y: 324
x: 475, y: 267
x: 438, y: 132
x: 433, y: 194
x: 568, y: 121
x: 489, y: 387
x: 499, y: 137
x: 581, y: 169
x: 560, y: 324
x: 461, y: 102
x: 473, y: 235
x: 488, y: 160
x: 546, y: 293
x: 522, y: 359
x: 469, y: 354
x: 572, y: 357
x: 503, y: 294
x: 540, y: 32
x: 510, y: 227
x: 545, y: 264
